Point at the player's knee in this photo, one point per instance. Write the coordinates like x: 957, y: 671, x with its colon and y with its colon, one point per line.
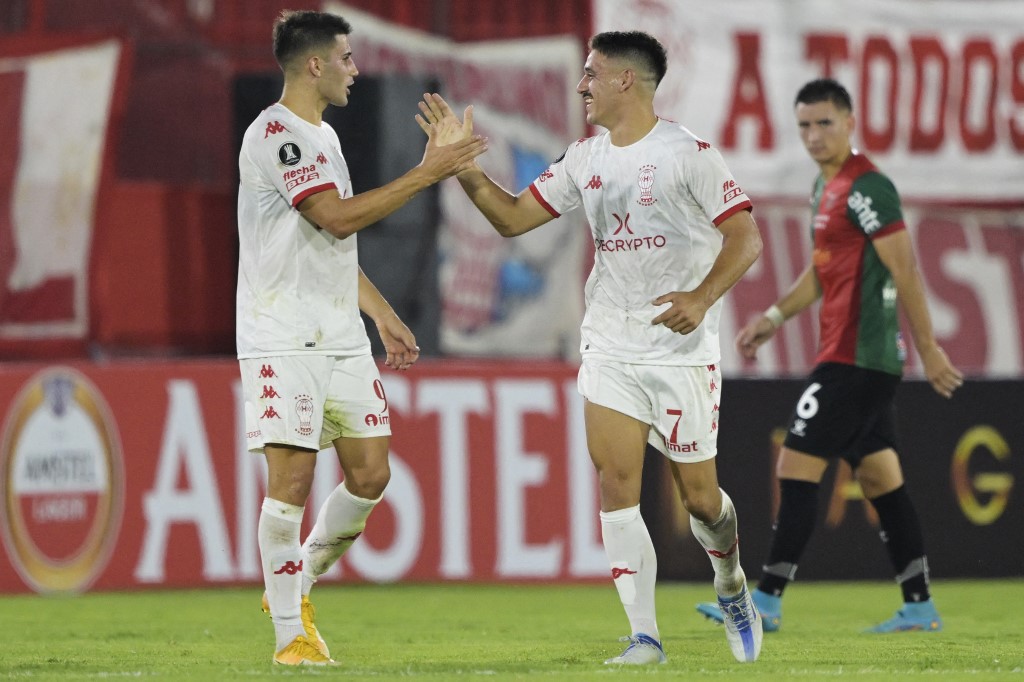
x: 368, y: 483
x: 293, y: 489
x: 704, y: 505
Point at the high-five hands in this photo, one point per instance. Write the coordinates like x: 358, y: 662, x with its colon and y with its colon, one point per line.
x: 443, y: 127
x: 451, y: 145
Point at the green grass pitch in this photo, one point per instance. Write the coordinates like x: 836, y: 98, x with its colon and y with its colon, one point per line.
x: 506, y: 632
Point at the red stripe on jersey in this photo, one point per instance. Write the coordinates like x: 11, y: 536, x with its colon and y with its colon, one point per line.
x: 311, y: 191
x: 745, y: 206
x: 536, y: 194
x: 839, y: 318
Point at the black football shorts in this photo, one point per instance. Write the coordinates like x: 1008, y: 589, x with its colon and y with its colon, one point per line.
x: 844, y: 411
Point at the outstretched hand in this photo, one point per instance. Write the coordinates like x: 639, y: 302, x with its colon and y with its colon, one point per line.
x: 440, y: 123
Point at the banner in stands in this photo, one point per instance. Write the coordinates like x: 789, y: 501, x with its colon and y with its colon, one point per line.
x: 520, y: 297
x: 939, y: 94
x: 56, y: 103
x: 135, y: 475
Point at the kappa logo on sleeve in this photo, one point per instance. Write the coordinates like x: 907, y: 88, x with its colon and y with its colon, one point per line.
x: 273, y: 128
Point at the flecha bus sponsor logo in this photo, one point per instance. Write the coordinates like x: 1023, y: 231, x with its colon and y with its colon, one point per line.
x: 731, y: 191
x: 300, y: 176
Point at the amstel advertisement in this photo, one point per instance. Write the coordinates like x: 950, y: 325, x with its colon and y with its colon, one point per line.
x: 132, y: 475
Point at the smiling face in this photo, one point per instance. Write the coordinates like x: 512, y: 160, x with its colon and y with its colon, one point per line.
x: 600, y: 87
x: 337, y: 72
x: 825, y: 130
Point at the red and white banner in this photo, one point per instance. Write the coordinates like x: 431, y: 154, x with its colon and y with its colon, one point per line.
x: 938, y: 90
x: 56, y: 104
x: 971, y: 260
x: 132, y: 475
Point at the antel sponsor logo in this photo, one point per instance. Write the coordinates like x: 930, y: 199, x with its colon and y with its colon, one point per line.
x: 61, y: 473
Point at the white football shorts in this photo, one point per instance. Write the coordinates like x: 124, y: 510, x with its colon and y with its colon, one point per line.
x: 309, y: 401
x: 680, y: 403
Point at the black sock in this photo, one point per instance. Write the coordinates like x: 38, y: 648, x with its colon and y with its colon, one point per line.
x: 901, y: 533
x: 798, y: 512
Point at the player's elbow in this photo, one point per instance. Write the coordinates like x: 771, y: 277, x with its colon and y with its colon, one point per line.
x: 339, y: 229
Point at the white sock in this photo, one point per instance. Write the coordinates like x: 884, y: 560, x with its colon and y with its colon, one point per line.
x: 341, y: 520
x: 634, y: 566
x: 278, y: 534
x: 721, y: 541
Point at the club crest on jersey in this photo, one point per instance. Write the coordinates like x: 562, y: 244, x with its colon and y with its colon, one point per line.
x: 645, y: 180
x: 289, y: 154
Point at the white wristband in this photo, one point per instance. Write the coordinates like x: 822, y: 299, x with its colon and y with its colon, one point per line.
x: 775, y: 316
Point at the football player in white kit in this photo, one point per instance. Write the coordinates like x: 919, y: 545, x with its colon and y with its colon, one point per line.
x: 672, y: 233
x: 308, y: 378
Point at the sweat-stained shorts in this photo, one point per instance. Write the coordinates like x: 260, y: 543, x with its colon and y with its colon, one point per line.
x: 308, y: 401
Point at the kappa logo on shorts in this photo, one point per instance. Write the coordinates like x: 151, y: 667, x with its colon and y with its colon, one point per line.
x: 799, y: 427
x: 304, y: 409
x: 269, y: 392
x: 267, y: 372
x: 270, y: 413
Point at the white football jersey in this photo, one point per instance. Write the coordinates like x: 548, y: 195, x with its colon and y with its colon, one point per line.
x: 653, y: 207
x: 298, y: 285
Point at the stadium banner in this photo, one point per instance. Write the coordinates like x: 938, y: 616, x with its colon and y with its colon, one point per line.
x: 134, y: 475
x: 939, y: 95
x: 971, y: 260
x: 57, y: 99
x: 520, y: 297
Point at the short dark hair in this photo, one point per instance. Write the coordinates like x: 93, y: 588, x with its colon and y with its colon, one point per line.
x: 298, y: 33
x: 635, y: 46
x: 825, y: 90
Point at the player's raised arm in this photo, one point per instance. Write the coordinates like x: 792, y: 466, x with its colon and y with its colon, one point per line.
x: 346, y: 216
x: 511, y: 215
